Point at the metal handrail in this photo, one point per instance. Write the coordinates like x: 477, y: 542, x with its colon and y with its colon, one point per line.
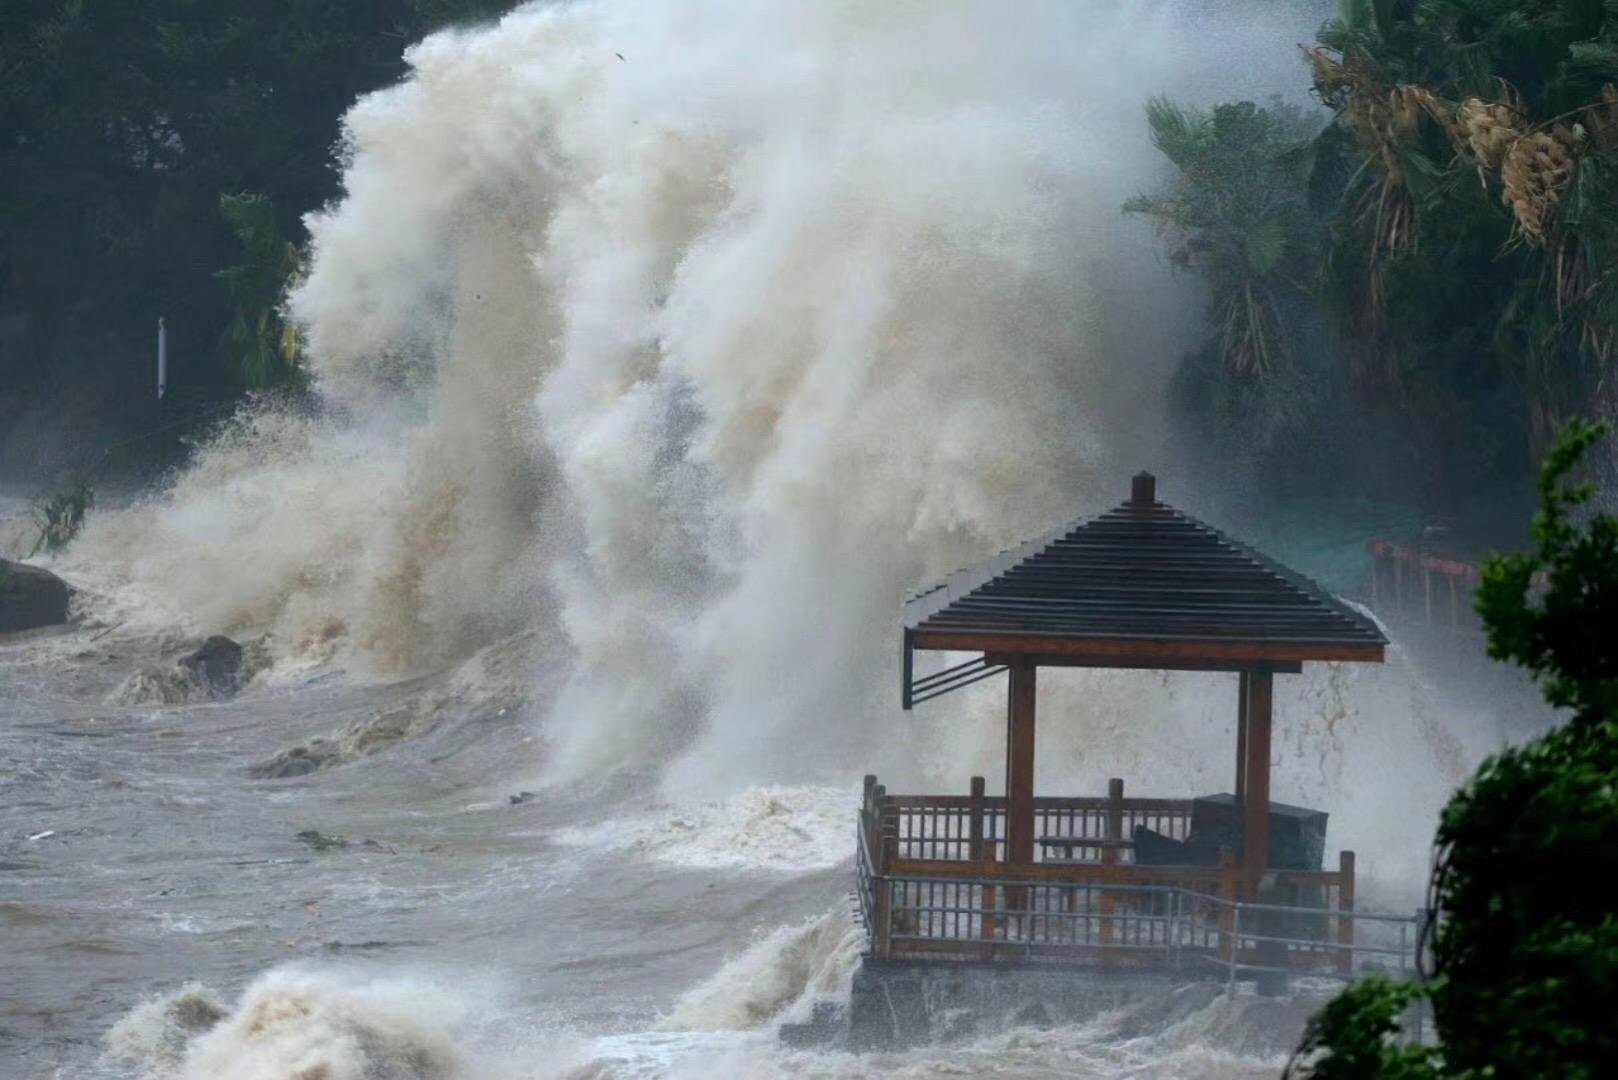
x: 1179, y: 923
x: 865, y: 874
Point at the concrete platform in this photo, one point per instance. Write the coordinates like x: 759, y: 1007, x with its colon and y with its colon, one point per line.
x: 894, y: 1005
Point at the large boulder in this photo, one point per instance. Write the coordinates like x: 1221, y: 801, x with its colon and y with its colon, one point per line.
x: 215, y: 670
x: 216, y: 667
x: 31, y: 597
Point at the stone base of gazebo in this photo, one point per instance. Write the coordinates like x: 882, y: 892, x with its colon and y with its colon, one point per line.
x: 903, y: 1003
x: 898, y: 1004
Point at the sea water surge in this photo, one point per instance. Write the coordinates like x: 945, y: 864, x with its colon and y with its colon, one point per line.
x: 659, y: 350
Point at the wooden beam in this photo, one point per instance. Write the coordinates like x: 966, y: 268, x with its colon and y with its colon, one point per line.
x: 995, y: 659
x: 1058, y: 873
x: 1241, y: 735
x: 1020, y: 765
x: 1256, y: 779
x: 974, y: 827
x: 1145, y: 652
x: 1345, y: 904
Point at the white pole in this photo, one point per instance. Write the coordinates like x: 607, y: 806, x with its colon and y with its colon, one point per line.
x: 162, y: 358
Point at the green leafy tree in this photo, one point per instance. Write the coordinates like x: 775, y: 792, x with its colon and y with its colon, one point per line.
x: 1237, y: 214
x: 1357, y: 1036
x: 1525, y: 952
x: 121, y: 127
x: 1264, y: 391
x: 1562, y: 636
x: 1471, y: 178
x: 264, y: 342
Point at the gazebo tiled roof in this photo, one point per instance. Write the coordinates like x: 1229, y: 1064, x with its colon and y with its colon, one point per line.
x: 1142, y: 585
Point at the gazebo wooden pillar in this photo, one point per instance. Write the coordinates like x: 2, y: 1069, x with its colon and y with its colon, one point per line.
x: 1020, y: 763
x: 1142, y: 586
x: 1253, y: 787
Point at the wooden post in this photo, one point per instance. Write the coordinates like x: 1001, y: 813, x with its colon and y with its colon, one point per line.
x: 1227, y: 910
x: 1241, y: 736
x: 987, y: 920
x: 888, y: 854
x: 1256, y: 785
x: 883, y: 945
x: 1109, y: 856
x: 1020, y: 765
x: 1020, y: 776
x: 1115, y: 813
x: 974, y: 826
x: 1345, y: 903
x: 879, y: 798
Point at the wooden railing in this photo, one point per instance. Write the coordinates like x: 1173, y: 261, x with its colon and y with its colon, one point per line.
x: 1408, y: 583
x: 933, y: 883
x: 962, y: 828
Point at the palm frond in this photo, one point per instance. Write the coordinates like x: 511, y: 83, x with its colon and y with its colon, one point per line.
x: 1178, y: 133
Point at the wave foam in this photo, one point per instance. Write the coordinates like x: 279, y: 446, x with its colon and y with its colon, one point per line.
x: 785, y: 829
x: 299, y: 1024
x: 778, y: 977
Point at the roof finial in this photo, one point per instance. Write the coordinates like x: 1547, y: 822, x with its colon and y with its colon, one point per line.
x: 1143, y: 489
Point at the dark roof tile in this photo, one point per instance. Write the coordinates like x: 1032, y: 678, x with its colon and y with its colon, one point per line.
x: 1141, y: 572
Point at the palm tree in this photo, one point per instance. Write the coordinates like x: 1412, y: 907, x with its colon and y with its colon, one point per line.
x: 1237, y: 215
x: 1263, y: 391
x: 1470, y: 173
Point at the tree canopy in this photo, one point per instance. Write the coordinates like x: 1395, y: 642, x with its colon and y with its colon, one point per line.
x: 1454, y: 223
x: 156, y: 157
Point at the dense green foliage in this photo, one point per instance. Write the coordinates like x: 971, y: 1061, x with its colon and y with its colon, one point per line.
x: 1470, y: 170
x: 1266, y: 390
x: 123, y: 126
x: 1525, y: 952
x: 1454, y: 223
x: 1564, y: 639
x: 1238, y: 216
x: 1238, y: 212
x: 1356, y: 1037
x: 264, y: 344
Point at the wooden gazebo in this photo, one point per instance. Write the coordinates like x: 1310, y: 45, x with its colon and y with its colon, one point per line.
x: 1141, y: 586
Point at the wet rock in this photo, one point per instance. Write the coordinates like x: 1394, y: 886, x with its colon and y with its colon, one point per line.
x: 319, y: 841
x: 194, y: 1013
x: 31, y: 597
x: 216, y: 667
x: 522, y: 797
x: 363, y: 946
x: 298, y: 761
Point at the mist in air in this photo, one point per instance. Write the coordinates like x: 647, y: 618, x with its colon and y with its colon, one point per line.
x: 693, y: 339
x: 658, y: 352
